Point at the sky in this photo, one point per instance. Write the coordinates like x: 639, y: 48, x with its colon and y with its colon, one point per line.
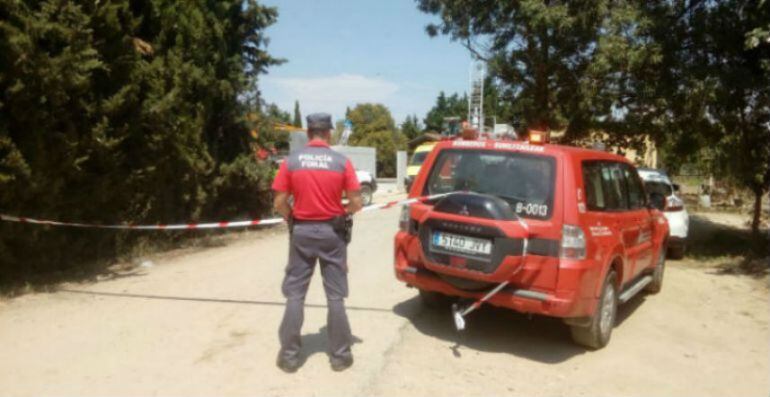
x: 343, y: 52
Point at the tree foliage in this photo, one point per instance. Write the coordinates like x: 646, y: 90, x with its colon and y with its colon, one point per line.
x: 709, y: 100
x: 374, y: 126
x: 122, y: 110
x: 446, y: 106
x: 731, y: 69
x: 496, y: 107
x: 562, y: 64
x: 411, y: 127
x: 265, y: 121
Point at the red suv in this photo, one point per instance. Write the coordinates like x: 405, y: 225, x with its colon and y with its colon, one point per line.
x: 546, y: 229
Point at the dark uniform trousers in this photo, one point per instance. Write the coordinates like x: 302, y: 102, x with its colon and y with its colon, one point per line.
x: 310, y: 242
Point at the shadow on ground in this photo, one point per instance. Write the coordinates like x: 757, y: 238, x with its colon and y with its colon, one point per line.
x: 710, y: 240
x: 497, y: 330
x: 318, y: 342
x: 25, y: 276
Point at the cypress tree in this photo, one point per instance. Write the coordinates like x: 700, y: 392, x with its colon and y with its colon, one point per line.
x: 126, y: 110
x: 297, y: 116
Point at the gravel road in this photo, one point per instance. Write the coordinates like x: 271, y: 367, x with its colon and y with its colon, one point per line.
x: 204, y: 322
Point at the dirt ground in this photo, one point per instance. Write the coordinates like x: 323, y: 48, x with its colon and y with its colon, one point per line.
x: 205, y: 322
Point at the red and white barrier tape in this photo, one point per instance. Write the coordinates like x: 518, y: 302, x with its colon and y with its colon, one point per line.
x: 190, y: 226
x: 391, y: 204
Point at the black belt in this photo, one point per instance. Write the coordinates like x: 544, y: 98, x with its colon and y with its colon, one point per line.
x: 342, y: 224
x: 298, y: 221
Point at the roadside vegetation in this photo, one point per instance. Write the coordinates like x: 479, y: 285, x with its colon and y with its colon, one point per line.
x: 723, y: 240
x: 125, y: 111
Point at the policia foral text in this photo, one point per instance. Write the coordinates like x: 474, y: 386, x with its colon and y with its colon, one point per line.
x: 319, y: 229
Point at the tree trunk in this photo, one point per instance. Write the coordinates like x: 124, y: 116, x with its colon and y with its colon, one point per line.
x: 758, y: 193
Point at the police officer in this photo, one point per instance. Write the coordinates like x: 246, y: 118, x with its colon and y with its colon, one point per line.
x: 316, y: 176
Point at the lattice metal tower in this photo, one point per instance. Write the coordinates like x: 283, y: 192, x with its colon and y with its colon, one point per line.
x: 476, y: 99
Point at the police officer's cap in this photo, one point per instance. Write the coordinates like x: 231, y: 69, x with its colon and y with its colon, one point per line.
x: 319, y: 121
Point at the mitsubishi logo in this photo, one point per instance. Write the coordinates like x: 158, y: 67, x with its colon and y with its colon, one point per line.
x: 459, y: 227
x: 464, y: 211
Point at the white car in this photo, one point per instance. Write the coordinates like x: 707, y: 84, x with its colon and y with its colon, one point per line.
x: 368, y: 186
x: 657, y: 183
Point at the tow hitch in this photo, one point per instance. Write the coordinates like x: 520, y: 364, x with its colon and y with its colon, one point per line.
x: 459, y: 314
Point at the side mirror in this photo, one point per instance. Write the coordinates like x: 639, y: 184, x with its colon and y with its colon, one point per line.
x: 657, y: 201
x: 676, y: 187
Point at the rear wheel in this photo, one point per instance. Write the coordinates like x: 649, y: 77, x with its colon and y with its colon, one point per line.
x: 366, y: 194
x: 677, y: 251
x: 657, y: 275
x: 597, y: 334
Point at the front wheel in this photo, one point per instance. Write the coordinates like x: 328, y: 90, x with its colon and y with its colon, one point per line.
x: 597, y: 334
x: 366, y: 194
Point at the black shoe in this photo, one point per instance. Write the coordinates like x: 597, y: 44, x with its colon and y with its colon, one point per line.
x: 342, y: 364
x: 288, y: 366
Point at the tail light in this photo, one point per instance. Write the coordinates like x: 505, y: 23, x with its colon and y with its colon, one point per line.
x: 573, y: 242
x: 673, y: 203
x: 403, y: 219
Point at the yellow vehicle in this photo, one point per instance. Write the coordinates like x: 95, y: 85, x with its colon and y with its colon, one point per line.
x: 418, y: 157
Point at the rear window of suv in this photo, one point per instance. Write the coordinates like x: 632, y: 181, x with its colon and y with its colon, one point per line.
x: 525, y: 181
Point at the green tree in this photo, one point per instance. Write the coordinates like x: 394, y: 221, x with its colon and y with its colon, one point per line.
x: 277, y: 114
x: 759, y: 35
x: 742, y: 105
x: 297, y: 116
x: 707, y: 102
x: 561, y: 65
x: 123, y: 111
x: 368, y: 118
x: 731, y: 68
x: 373, y: 126
x: 411, y: 128
x: 270, y: 137
x: 496, y: 107
x: 452, y: 106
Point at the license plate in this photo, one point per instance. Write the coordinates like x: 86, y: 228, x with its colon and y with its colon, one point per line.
x: 461, y: 244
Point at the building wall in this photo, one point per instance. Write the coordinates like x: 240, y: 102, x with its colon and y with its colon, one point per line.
x: 297, y: 140
x: 363, y: 158
x: 647, y: 157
